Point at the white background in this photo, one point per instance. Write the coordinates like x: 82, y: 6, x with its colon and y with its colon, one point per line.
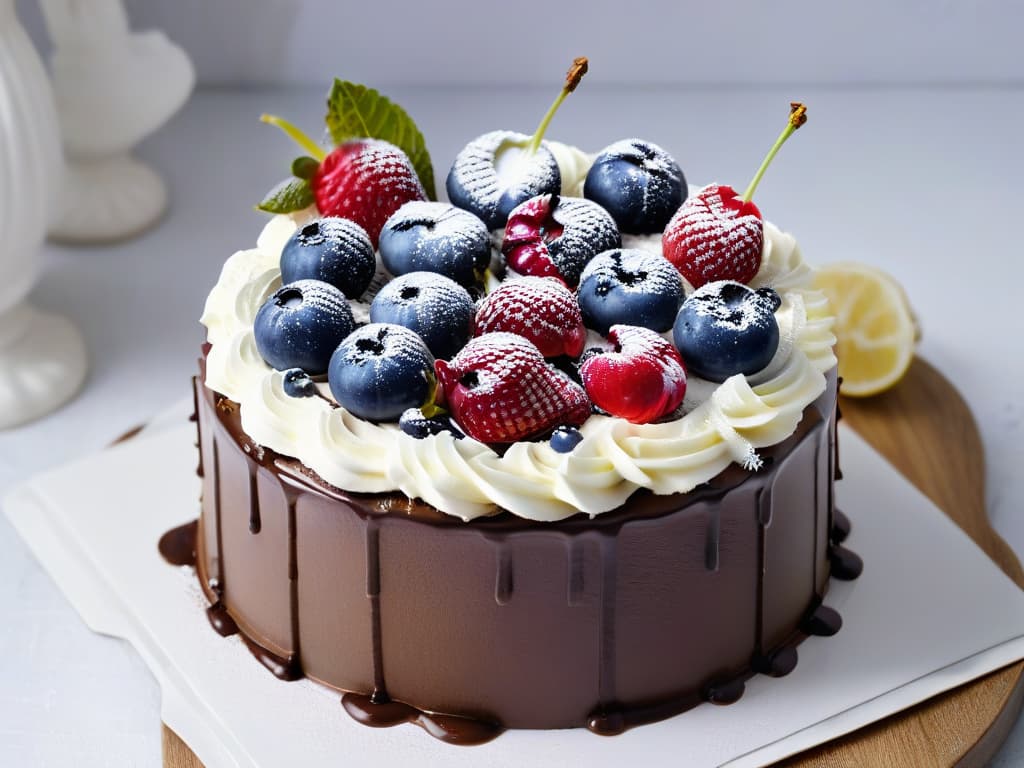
x: 911, y: 160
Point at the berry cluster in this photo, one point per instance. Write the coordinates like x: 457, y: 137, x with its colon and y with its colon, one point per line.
x: 440, y: 354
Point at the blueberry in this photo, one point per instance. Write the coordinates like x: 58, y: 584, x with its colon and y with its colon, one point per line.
x: 301, y: 325
x: 380, y: 370
x: 630, y: 287
x: 436, y: 237
x: 725, y: 328
x: 639, y: 184
x: 493, y: 174
x: 438, y: 309
x: 415, y: 424
x: 297, y: 383
x: 565, y: 438
x: 337, y: 251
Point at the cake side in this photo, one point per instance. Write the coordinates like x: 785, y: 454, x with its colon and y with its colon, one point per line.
x: 627, y: 617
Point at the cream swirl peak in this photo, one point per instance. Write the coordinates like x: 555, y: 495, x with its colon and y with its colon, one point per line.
x: 722, y: 423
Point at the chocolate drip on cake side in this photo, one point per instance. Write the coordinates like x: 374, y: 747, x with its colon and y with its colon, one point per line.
x: 255, y: 523
x: 380, y: 690
x: 217, y: 613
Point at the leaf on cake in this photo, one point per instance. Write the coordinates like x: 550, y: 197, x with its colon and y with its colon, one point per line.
x: 288, y: 196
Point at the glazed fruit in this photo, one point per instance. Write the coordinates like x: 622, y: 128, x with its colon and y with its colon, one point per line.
x: 336, y: 251
x: 436, y: 237
x: 439, y: 310
x: 554, y: 236
x: 496, y: 172
x: 725, y: 328
x: 301, y: 324
x: 565, y: 438
x: 365, y: 180
x: 630, y: 286
x: 540, y: 309
x: 380, y: 370
x: 297, y: 383
x: 641, y: 379
x: 499, y: 389
x: 719, y: 235
x: 638, y: 183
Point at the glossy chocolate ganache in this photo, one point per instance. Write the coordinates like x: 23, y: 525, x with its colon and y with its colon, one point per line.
x: 469, y: 628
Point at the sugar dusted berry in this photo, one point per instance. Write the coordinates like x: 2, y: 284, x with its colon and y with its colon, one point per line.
x: 436, y: 237
x: 556, y: 236
x: 380, y: 370
x: 632, y: 287
x: 540, y: 309
x: 500, y: 390
x: 725, y: 328
x: 336, y: 251
x: 301, y: 324
x: 438, y: 309
x: 638, y: 183
x: 641, y: 379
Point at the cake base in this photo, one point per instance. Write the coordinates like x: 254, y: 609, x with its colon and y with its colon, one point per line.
x: 627, y: 618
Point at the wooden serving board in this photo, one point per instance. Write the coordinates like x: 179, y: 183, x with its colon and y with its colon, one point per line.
x: 925, y: 429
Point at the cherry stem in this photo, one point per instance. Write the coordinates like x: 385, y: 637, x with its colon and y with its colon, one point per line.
x: 296, y: 135
x: 572, y: 79
x: 797, y: 117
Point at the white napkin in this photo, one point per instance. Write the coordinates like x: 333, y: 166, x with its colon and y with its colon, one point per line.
x: 930, y: 612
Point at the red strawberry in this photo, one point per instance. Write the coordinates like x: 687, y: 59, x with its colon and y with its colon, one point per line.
x: 641, y: 380
x: 540, y: 309
x: 715, y: 236
x: 500, y: 390
x: 365, y: 180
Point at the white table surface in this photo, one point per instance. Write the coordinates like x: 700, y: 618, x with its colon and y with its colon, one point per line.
x: 922, y: 182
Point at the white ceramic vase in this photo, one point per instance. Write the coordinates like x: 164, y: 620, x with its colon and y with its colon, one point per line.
x: 42, y: 356
x: 113, y: 88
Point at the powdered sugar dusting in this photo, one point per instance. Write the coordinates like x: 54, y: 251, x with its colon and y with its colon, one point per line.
x: 540, y: 309
x: 588, y: 230
x: 731, y: 305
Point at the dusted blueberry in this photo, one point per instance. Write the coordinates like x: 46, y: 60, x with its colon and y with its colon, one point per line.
x: 565, y: 438
x: 725, y: 328
x: 336, y: 251
x: 630, y: 287
x: 436, y: 237
x: 438, y: 309
x: 494, y: 173
x: 415, y: 424
x: 639, y: 184
x: 380, y: 370
x: 301, y: 325
x: 297, y: 383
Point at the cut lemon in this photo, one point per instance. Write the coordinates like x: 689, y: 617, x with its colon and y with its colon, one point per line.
x: 875, y: 327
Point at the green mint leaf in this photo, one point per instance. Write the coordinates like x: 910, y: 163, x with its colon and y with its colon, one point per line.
x: 357, y: 112
x: 304, y: 167
x: 290, y: 195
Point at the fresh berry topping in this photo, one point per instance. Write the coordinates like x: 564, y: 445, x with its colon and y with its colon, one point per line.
x: 565, y: 438
x: 554, y: 236
x: 715, y: 236
x: 436, y: 237
x: 301, y: 324
x: 415, y: 424
x: 380, y: 370
x: 631, y: 287
x: 494, y: 173
x: 297, y: 383
x: 438, y: 309
x: 641, y: 379
x: 639, y: 184
x: 725, y: 328
x: 540, y: 309
x: 500, y: 390
x: 336, y: 251
x: 365, y: 180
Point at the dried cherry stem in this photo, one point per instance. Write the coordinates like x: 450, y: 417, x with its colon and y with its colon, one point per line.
x: 579, y: 68
x: 797, y: 117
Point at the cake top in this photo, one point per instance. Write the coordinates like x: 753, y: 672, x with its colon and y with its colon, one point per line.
x: 521, y: 347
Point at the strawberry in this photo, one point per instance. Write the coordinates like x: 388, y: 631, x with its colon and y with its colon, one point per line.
x: 715, y: 235
x: 365, y: 180
x: 540, y: 309
x: 500, y: 390
x: 641, y: 379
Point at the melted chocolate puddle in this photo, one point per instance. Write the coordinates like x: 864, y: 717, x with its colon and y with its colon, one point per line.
x: 221, y: 620
x: 447, y: 728
x: 178, y: 545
